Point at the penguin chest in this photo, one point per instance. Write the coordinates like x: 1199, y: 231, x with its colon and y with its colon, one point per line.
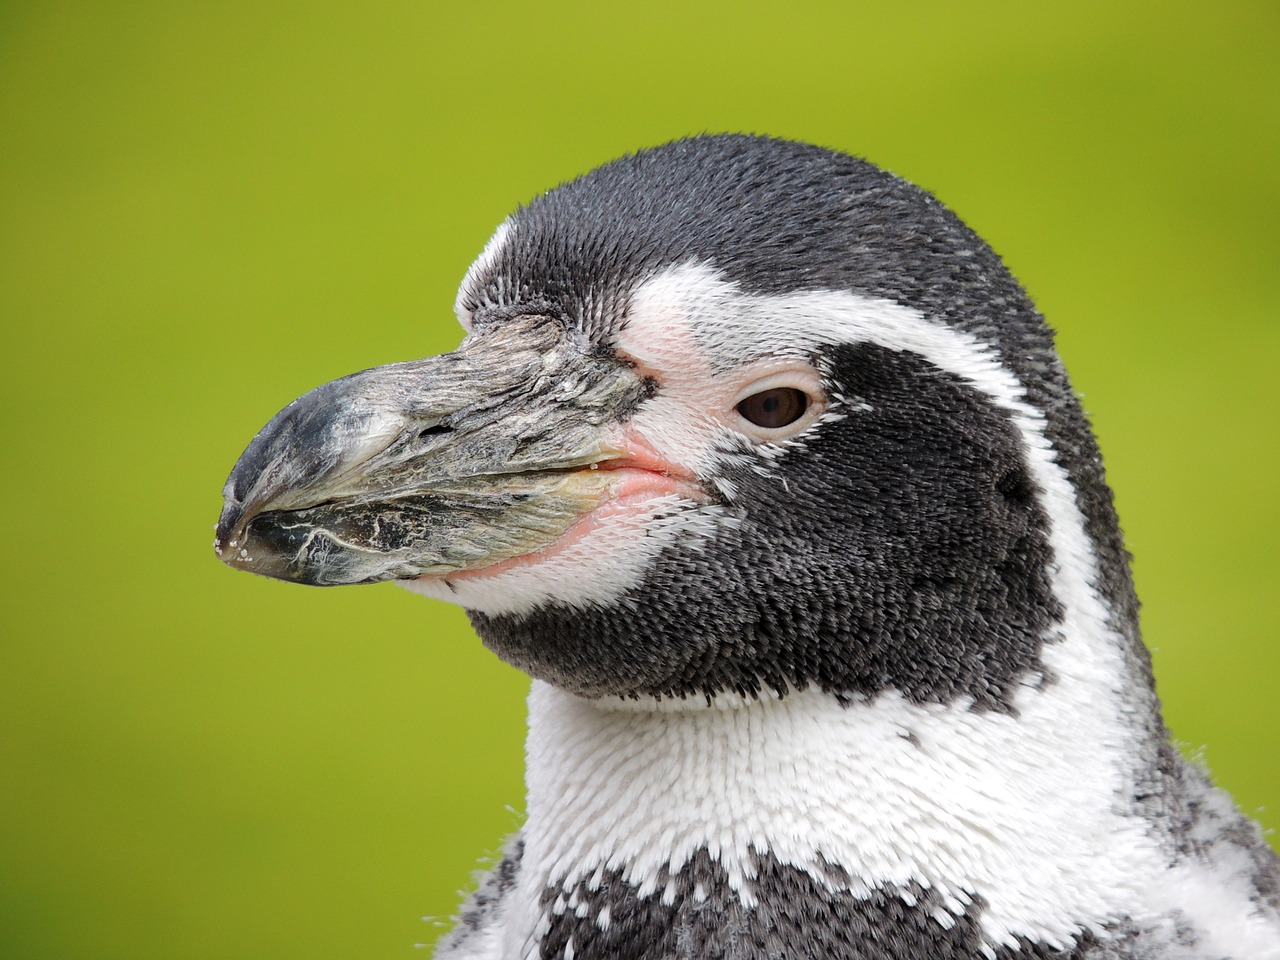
x: 789, y: 826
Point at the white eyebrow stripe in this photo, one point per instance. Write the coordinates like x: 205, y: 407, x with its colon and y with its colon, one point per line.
x: 481, y: 264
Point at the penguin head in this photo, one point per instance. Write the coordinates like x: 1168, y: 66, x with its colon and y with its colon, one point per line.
x: 732, y: 415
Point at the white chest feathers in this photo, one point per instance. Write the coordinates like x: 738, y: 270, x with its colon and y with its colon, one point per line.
x: 890, y: 794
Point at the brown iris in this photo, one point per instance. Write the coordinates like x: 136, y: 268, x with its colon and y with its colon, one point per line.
x: 775, y: 407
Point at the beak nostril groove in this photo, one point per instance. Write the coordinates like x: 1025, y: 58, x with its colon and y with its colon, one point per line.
x: 433, y: 431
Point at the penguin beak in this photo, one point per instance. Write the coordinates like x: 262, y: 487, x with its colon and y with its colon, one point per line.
x: 432, y: 467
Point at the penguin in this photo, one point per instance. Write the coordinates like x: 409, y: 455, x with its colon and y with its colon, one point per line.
x: 765, y: 469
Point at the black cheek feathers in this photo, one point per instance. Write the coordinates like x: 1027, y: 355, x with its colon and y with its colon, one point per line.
x: 907, y: 551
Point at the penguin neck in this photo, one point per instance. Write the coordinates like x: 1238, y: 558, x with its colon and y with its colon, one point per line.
x: 1022, y: 811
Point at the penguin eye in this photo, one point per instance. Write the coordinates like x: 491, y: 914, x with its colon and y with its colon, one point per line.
x: 774, y: 408
x: 775, y: 400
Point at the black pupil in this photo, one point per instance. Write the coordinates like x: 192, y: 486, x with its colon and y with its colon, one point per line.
x: 775, y: 408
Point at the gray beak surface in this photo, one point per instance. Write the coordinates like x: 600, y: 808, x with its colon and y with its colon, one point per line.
x: 434, y: 466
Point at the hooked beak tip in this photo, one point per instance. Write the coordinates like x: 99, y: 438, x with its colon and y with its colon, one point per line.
x: 229, y: 533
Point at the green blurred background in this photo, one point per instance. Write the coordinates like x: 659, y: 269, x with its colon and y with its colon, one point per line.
x: 208, y: 208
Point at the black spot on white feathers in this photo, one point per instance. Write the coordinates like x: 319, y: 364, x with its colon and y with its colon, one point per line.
x: 896, y: 561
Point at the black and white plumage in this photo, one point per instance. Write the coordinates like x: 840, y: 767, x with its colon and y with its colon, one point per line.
x: 765, y: 468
